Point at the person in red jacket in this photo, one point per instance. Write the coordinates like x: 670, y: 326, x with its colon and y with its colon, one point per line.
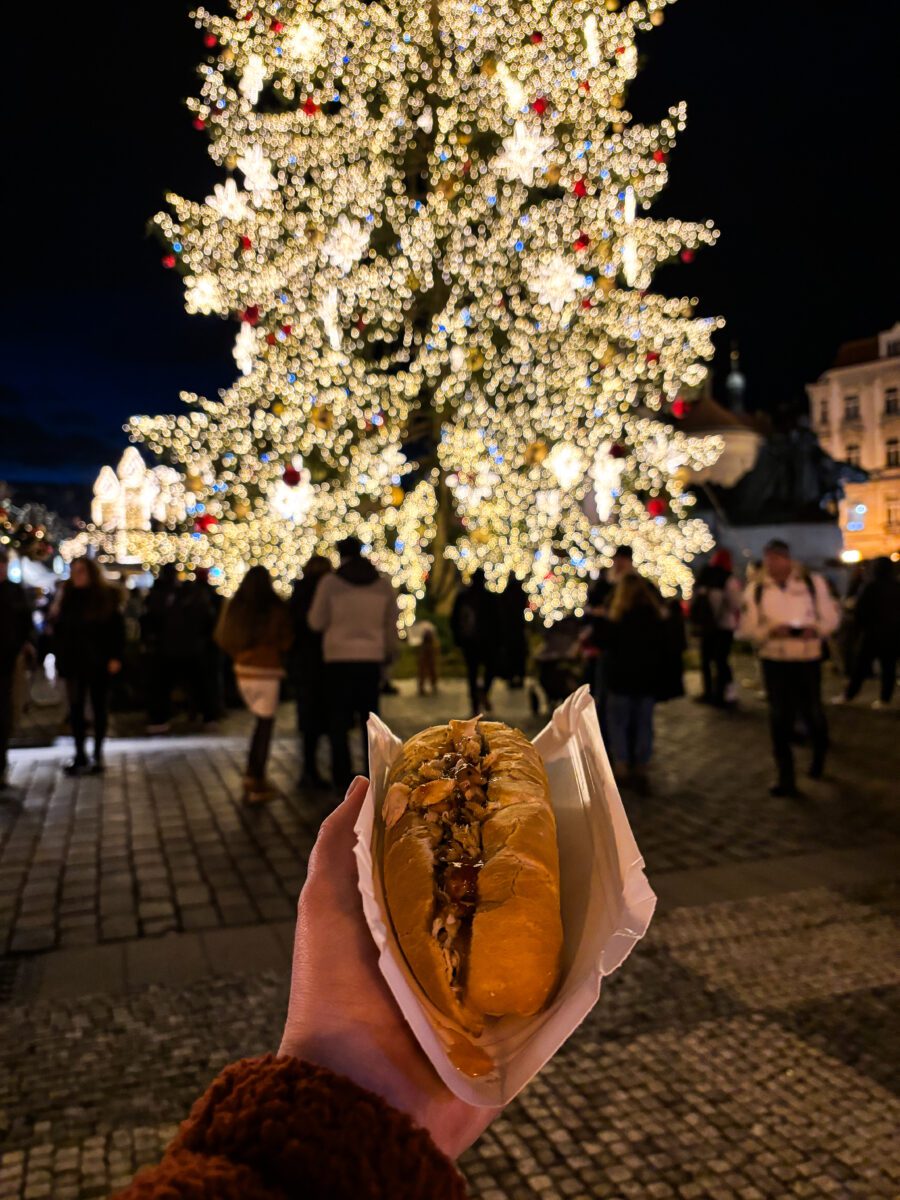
x: 349, y: 1108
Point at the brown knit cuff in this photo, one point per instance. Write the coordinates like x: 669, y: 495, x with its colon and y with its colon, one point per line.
x: 296, y: 1125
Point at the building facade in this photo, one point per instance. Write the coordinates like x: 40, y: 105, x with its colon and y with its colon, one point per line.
x: 855, y: 410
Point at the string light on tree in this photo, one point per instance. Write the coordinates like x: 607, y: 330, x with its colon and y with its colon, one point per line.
x: 431, y: 213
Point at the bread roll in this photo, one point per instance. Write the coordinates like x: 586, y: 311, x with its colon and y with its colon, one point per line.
x: 471, y: 870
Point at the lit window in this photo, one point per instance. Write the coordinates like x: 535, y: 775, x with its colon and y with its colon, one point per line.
x: 852, y: 456
x: 893, y: 512
x: 891, y: 401
x: 851, y: 408
x: 823, y: 412
x: 893, y: 452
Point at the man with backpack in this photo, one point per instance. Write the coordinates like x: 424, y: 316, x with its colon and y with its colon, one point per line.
x: 715, y: 613
x: 788, y: 614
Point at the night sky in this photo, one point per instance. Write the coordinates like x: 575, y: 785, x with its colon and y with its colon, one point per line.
x: 791, y: 142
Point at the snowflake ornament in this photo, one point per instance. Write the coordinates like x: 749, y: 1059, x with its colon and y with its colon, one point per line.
x: 257, y: 173
x: 245, y: 346
x: 329, y: 315
x: 253, y: 78
x: 346, y: 244
x: 293, y: 503
x: 523, y: 154
x: 556, y: 282
x: 203, y: 294
x: 567, y: 463
x: 303, y: 43
x: 606, y: 476
x: 229, y: 201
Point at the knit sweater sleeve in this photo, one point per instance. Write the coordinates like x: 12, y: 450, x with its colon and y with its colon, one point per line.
x: 276, y: 1128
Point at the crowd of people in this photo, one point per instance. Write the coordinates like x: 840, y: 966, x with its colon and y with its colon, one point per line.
x: 337, y: 635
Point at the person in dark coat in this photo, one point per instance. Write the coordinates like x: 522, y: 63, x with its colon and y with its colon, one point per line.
x: 155, y: 621
x: 513, y: 602
x: 877, y: 619
x: 475, y: 622
x: 15, y: 631
x: 88, y: 640
x: 307, y: 669
x: 633, y: 639
x: 193, y: 656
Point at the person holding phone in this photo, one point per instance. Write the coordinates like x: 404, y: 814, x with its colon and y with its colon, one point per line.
x: 788, y: 613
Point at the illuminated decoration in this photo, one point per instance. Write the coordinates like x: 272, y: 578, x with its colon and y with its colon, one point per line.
x: 293, y: 496
x: 429, y: 218
x: 606, y: 476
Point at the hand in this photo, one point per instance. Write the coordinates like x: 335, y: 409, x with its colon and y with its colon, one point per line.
x: 341, y: 1013
x: 114, y: 666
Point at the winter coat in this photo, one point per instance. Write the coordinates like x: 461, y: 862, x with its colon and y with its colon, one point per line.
x: 356, y: 611
x: 475, y: 620
x: 635, y: 648
x: 306, y: 652
x: 275, y: 1128
x: 88, y: 632
x: 15, y: 623
x: 803, y: 601
x: 267, y: 651
x: 717, y: 601
x: 877, y: 613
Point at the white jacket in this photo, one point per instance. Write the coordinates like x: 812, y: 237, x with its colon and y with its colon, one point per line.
x: 358, y: 621
x: 803, y: 601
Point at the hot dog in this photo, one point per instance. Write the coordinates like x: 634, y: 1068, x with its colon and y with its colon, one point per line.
x: 471, y: 870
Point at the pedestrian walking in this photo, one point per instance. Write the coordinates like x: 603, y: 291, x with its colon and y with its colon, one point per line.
x: 715, y: 615
x: 600, y: 594
x: 788, y: 612
x: 475, y: 622
x: 159, y: 672
x: 356, y: 612
x: 513, y: 602
x: 193, y: 657
x: 307, y: 669
x: 876, y: 618
x: 254, y: 629
x: 88, y: 641
x: 15, y: 632
x: 633, y: 640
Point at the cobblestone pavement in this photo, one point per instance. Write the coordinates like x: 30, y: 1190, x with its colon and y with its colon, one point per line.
x: 748, y: 1050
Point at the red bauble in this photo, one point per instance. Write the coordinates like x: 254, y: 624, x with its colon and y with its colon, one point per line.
x: 620, y: 49
x: 291, y: 476
x: 688, y: 256
x: 169, y: 260
x: 582, y: 242
x: 210, y: 41
x: 248, y: 16
x: 271, y: 339
x: 652, y: 356
x: 310, y: 107
x: 277, y: 26
x: 679, y: 407
x: 198, y: 123
x: 659, y: 156
x: 539, y: 106
x: 617, y: 450
x: 251, y: 314
x: 205, y: 523
x: 580, y: 188
x: 656, y: 507
x: 586, y: 304
x: 585, y: 85
x: 537, y: 38
x: 246, y: 244
x: 287, y: 330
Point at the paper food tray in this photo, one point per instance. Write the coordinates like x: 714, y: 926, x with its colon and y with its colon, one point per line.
x: 606, y: 901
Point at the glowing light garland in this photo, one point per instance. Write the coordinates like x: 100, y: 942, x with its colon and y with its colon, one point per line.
x: 435, y: 207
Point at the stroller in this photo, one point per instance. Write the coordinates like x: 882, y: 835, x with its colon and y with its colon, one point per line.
x: 559, y: 665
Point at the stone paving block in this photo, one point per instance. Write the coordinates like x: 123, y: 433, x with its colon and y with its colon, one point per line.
x: 73, y: 972
x: 177, y: 959
x: 233, y: 950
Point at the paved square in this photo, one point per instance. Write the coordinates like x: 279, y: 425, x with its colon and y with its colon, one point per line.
x: 747, y: 1050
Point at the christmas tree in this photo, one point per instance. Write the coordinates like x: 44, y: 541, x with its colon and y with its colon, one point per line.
x: 431, y: 237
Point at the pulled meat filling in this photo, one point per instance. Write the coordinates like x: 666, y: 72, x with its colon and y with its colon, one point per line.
x: 450, y: 791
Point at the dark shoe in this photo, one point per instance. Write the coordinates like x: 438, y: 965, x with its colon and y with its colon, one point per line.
x: 97, y: 767
x: 78, y: 766
x: 785, y: 789
x: 817, y: 770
